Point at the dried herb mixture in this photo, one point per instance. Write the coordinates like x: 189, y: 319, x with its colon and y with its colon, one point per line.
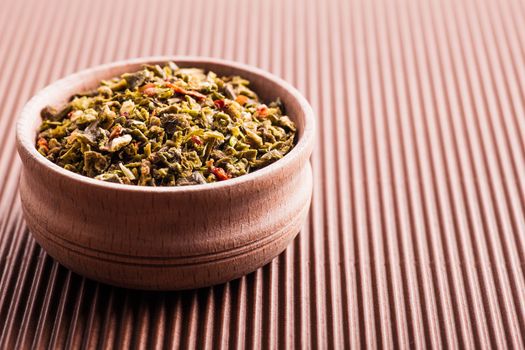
x: 166, y: 126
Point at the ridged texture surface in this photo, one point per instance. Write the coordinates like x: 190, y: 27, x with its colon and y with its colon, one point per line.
x: 416, y: 234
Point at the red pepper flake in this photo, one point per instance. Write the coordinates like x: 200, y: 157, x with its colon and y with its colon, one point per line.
x: 42, y: 145
x: 262, y: 111
x: 241, y: 99
x: 183, y: 91
x: 219, y: 104
x: 220, y: 173
x: 149, y: 89
x: 147, y: 86
x: 42, y: 142
x: 115, y: 132
x: 150, y: 92
x: 196, y: 140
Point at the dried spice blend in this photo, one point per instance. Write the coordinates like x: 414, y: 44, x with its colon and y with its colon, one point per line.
x: 166, y: 126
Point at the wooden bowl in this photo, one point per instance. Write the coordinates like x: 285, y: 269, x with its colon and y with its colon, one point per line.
x: 166, y: 238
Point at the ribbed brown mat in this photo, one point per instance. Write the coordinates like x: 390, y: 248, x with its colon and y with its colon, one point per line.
x: 416, y: 235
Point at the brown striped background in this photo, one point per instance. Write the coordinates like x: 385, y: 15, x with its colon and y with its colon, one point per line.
x: 416, y: 234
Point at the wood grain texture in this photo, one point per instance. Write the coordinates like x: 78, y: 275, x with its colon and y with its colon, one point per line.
x: 166, y: 238
x: 416, y: 232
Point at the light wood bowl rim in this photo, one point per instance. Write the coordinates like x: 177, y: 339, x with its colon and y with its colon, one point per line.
x: 26, y: 143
